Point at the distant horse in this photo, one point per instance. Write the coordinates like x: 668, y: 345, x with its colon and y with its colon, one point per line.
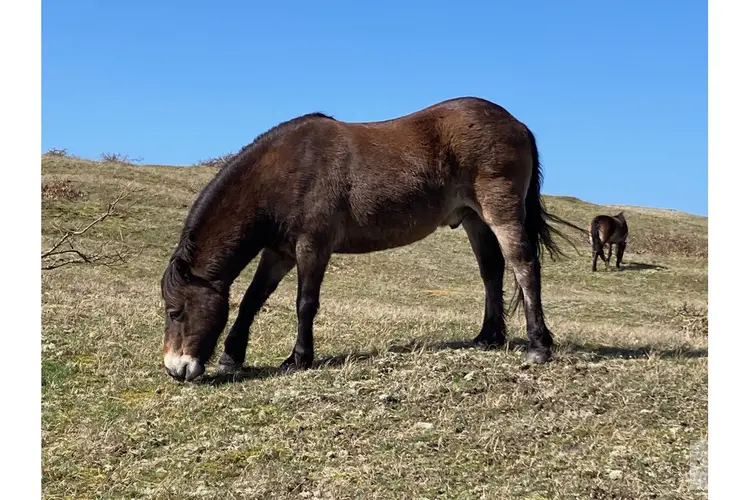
x: 604, y: 230
x: 314, y: 186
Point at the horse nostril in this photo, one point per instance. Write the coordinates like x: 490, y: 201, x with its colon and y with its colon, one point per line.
x: 194, y: 370
x: 183, y: 367
x: 178, y: 374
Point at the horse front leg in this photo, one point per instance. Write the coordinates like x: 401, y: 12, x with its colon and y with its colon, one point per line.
x: 271, y: 270
x: 312, y: 261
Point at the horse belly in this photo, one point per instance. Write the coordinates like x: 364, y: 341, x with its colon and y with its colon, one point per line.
x: 399, y: 206
x: 389, y: 229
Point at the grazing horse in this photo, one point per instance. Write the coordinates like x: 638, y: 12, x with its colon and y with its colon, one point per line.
x: 313, y: 186
x: 603, y: 230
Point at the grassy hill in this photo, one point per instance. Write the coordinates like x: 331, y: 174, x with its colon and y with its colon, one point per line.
x: 399, y: 406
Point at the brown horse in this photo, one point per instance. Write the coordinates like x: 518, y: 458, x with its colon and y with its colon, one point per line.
x: 314, y: 186
x: 604, y: 230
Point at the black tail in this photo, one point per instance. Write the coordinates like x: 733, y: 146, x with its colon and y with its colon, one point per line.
x: 596, y: 243
x: 538, y: 229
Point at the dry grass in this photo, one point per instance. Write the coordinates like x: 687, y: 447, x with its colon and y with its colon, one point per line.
x: 398, y: 406
x: 694, y: 320
x: 669, y: 243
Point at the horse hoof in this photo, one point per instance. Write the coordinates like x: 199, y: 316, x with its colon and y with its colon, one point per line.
x: 222, y: 369
x: 538, y: 356
x: 296, y: 362
x: 227, y: 365
x: 488, y: 341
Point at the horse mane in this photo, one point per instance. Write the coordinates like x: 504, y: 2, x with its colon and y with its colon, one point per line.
x: 177, y: 273
x: 245, y: 158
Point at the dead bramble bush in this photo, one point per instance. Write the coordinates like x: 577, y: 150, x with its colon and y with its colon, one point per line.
x: 61, y: 190
x: 58, y: 152
x: 218, y: 161
x: 119, y: 158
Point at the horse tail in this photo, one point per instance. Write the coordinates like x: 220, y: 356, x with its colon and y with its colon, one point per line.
x: 537, y: 222
x: 538, y: 229
x: 597, y: 243
x: 594, y: 237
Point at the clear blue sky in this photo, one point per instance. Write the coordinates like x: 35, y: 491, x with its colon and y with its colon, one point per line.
x: 615, y: 92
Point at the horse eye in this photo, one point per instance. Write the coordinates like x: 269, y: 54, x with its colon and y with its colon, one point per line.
x: 174, y: 314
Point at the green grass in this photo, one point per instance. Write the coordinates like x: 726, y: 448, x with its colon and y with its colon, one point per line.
x: 397, y: 407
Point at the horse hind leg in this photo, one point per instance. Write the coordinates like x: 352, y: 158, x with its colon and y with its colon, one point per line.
x: 594, y: 256
x: 609, y: 256
x: 491, y: 269
x: 619, y: 253
x: 517, y: 249
x: 598, y: 253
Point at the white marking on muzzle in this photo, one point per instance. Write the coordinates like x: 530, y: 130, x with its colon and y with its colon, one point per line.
x: 183, y: 365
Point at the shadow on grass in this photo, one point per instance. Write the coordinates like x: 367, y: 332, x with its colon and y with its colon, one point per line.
x: 600, y: 352
x: 640, y: 266
x: 591, y: 351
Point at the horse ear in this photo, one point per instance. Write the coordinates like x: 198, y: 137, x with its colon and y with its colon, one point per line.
x: 182, y: 256
x: 182, y: 268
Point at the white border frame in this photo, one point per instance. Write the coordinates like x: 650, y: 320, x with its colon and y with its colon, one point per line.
x: 20, y: 88
x: 728, y: 193
x: 20, y: 204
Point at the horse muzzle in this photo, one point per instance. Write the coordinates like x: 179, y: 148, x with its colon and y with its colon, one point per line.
x: 183, y: 367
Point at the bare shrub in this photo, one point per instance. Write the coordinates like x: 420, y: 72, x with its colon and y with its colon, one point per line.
x: 218, y: 161
x: 59, y: 152
x: 61, y: 190
x: 222, y: 161
x: 119, y: 158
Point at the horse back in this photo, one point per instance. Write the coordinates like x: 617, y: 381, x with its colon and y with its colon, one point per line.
x: 440, y: 147
x: 375, y: 185
x: 610, y: 230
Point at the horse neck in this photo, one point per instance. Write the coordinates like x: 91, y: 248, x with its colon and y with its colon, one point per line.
x: 228, y: 224
x: 222, y: 255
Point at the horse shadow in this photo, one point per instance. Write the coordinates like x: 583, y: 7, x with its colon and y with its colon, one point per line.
x: 641, y: 266
x: 593, y: 352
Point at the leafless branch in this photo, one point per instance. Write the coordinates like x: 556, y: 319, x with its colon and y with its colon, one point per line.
x: 63, y: 252
x: 81, y: 258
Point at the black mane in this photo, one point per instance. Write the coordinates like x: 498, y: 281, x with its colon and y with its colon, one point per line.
x: 245, y: 158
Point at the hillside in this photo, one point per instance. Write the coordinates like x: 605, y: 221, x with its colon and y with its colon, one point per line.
x: 401, y: 407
